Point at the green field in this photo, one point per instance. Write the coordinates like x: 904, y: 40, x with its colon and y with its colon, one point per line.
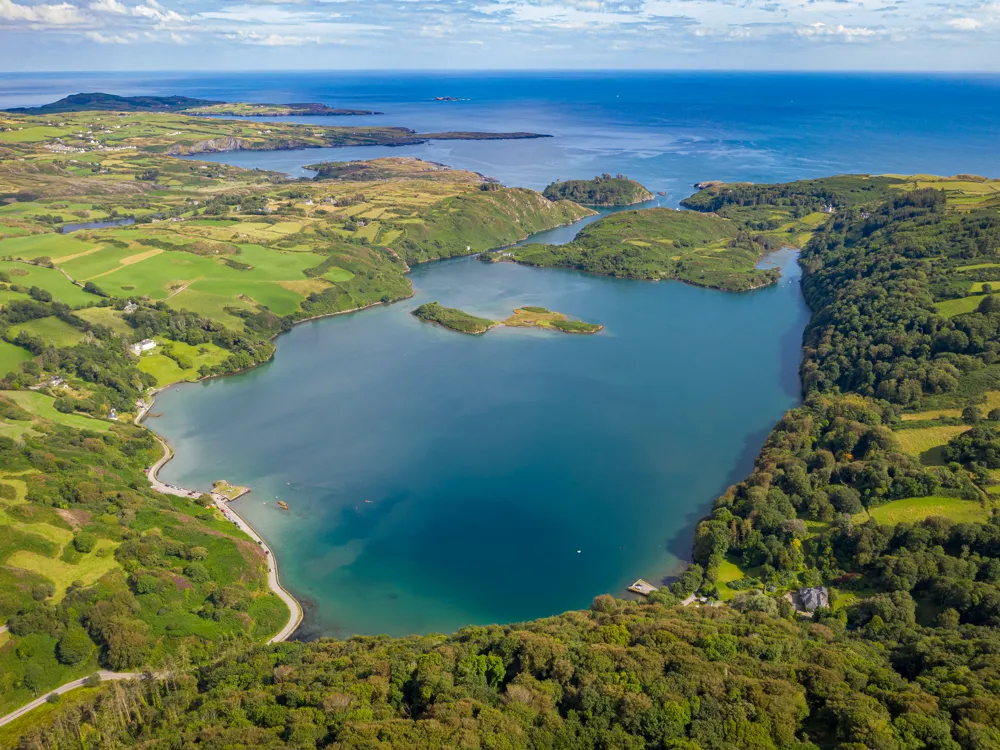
x: 49, y: 279
x: 167, y: 371
x: 52, y: 330
x: 926, y: 443
x: 916, y: 509
x: 41, y: 405
x: 951, y: 307
x: 202, y: 284
x: 88, y: 569
x: 49, y: 244
x: 106, y: 316
x: 11, y: 356
x: 728, y: 571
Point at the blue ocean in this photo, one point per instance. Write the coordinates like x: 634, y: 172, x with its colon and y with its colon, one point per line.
x: 667, y: 130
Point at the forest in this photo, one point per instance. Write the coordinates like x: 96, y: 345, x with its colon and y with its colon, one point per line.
x: 603, y: 190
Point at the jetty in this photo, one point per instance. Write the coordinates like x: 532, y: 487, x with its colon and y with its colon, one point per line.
x: 642, y: 587
x: 227, y: 491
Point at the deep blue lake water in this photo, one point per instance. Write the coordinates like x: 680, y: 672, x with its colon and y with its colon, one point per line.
x: 511, y: 475
x: 518, y: 474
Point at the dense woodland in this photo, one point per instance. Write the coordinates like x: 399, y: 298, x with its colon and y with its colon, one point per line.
x: 603, y: 190
x: 907, y: 657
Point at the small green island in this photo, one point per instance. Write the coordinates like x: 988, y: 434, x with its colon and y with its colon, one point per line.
x: 453, y: 318
x: 539, y: 317
x: 659, y: 243
x: 522, y: 317
x: 603, y: 190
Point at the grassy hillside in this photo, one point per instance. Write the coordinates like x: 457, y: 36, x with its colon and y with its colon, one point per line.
x: 474, y: 222
x: 659, y: 243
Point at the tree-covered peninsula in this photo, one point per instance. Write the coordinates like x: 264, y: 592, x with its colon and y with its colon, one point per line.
x: 659, y: 243
x: 848, y: 590
x: 603, y: 190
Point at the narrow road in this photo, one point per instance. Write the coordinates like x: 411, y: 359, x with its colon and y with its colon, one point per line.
x: 294, y: 608
x: 105, y: 677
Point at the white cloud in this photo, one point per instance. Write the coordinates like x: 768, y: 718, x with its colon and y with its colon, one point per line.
x: 273, y: 40
x: 157, y: 12
x: 109, y: 6
x: 847, y: 32
x: 965, y: 24
x: 43, y: 15
x: 102, y: 38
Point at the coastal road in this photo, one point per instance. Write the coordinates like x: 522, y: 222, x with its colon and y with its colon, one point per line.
x: 294, y: 608
x: 272, y: 571
x: 105, y: 677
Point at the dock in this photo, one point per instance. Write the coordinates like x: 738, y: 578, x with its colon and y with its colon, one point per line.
x: 642, y: 587
x: 228, y: 492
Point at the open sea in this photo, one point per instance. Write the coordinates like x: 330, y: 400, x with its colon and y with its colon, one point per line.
x: 436, y: 480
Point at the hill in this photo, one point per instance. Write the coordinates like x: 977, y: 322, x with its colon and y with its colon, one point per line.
x: 99, y: 102
x: 113, y: 103
x: 658, y: 243
x: 603, y: 190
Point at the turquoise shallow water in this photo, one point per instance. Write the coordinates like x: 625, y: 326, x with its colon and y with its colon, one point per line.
x: 510, y: 476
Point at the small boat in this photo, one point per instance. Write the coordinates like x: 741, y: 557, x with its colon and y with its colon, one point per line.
x: 283, y: 505
x: 661, y: 192
x: 368, y: 501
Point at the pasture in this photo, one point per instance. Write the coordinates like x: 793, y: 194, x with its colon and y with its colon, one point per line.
x: 911, y: 510
x: 11, y: 356
x: 926, y: 443
x: 88, y: 569
x: 41, y: 405
x: 949, y: 308
x: 52, y: 330
x: 51, y: 280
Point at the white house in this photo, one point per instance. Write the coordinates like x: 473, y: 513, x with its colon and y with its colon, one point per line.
x: 143, y: 346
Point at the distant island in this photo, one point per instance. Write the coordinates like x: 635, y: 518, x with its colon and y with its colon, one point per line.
x: 603, y: 190
x: 453, y: 318
x: 449, y: 99
x: 101, y: 102
x: 523, y: 317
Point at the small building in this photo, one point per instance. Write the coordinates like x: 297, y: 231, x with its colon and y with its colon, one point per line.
x: 143, y: 346
x: 814, y: 597
x: 113, y: 415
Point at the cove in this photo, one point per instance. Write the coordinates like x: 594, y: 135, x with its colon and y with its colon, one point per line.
x: 437, y: 480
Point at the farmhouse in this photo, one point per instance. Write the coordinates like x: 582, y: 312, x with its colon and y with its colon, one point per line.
x: 814, y: 597
x: 143, y: 346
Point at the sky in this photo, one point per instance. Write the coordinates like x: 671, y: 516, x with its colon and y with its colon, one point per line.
x: 56, y: 35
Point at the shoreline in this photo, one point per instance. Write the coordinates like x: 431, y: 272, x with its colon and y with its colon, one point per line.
x: 295, y: 611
